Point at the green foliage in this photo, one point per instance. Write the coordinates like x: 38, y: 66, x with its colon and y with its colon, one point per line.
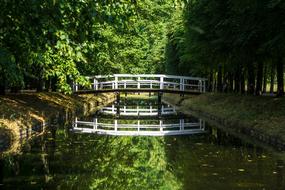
x: 11, y: 74
x: 64, y: 40
x: 238, y: 36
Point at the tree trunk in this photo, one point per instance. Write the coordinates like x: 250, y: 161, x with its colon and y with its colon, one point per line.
x: 220, y: 80
x: 272, y: 77
x: 242, y: 83
x: 40, y: 85
x: 231, y: 82
x: 53, y: 84
x: 237, y: 88
x: 2, y: 84
x: 280, y: 77
x: 264, y: 80
x: 251, y: 79
x: 211, y: 80
x: 259, y: 78
x: 2, y: 89
x: 1, y: 170
x: 215, y: 83
x: 40, y: 80
x: 225, y: 82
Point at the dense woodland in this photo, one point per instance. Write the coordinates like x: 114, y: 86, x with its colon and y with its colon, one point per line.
x: 237, y: 44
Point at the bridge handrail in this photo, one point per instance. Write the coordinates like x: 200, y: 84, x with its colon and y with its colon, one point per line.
x: 160, y: 129
x: 146, y: 75
x: 91, y: 123
x: 142, y: 126
x: 149, y: 111
x: 143, y: 81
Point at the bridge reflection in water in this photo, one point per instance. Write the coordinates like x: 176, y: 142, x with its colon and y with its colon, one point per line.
x: 148, y: 120
x: 138, y: 111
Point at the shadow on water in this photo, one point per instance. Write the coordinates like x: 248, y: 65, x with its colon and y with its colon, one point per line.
x: 6, y: 139
x: 222, y: 162
x: 87, y: 162
x: 62, y: 159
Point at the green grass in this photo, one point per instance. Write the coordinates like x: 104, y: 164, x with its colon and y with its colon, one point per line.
x: 267, y: 114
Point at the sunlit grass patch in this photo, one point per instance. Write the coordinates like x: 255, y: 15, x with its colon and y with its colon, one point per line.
x: 264, y: 113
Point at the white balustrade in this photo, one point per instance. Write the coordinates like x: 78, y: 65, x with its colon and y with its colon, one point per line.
x: 144, y: 81
x: 161, y: 129
x: 124, y: 111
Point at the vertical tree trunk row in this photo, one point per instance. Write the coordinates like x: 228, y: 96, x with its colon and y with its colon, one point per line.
x: 280, y: 77
x: 259, y: 78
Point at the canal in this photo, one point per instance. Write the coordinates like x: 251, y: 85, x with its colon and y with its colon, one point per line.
x: 72, y: 155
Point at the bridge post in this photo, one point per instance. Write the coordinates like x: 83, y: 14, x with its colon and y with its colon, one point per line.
x: 113, y: 108
x: 181, y: 124
x: 138, y: 81
x: 116, y: 124
x: 200, y: 86
x: 124, y: 109
x: 75, y: 123
x: 95, y: 84
x: 116, y: 82
x: 160, y: 126
x: 161, y: 82
x: 95, y: 123
x: 202, y: 124
x: 138, y: 125
x: 182, y: 87
x: 76, y: 87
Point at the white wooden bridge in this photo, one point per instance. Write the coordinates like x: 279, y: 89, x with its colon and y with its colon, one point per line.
x: 149, y: 111
x: 143, y: 83
x: 139, y: 129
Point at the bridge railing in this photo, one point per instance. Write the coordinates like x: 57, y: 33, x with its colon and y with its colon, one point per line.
x: 159, y: 82
x: 159, y: 129
x: 150, y: 111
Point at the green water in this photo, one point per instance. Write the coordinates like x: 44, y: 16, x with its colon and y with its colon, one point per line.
x: 61, y: 159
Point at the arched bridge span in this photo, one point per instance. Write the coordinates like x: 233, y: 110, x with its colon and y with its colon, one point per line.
x: 143, y: 83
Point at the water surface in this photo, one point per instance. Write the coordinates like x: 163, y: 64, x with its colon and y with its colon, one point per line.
x: 64, y: 159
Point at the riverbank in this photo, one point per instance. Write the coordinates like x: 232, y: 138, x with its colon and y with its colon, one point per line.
x: 19, y: 113
x: 262, y: 118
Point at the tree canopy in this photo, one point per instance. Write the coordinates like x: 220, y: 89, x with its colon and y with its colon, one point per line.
x: 58, y: 41
x: 238, y: 46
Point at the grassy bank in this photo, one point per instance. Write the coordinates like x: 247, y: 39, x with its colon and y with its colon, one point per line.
x: 20, y: 112
x: 260, y: 117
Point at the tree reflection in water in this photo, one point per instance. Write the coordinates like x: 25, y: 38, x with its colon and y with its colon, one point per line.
x: 82, y: 161
x: 61, y: 159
